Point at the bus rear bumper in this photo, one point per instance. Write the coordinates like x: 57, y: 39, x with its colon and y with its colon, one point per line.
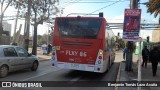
x: 81, y: 67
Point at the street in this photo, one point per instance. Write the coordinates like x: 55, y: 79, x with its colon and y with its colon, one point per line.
x: 46, y: 72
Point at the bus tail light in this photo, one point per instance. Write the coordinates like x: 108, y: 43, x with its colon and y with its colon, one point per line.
x: 100, y: 52
x: 53, y: 53
x: 100, y: 57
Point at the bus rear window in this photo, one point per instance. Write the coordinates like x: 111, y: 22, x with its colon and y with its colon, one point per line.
x: 79, y: 27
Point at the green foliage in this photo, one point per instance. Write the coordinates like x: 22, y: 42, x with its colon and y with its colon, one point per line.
x: 44, y: 39
x: 41, y: 10
x: 131, y: 46
x: 153, y: 6
x: 120, y: 42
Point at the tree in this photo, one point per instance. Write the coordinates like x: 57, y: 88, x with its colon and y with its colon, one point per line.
x: 119, y: 42
x: 41, y: 11
x: 2, y: 10
x: 42, y: 39
x: 153, y: 7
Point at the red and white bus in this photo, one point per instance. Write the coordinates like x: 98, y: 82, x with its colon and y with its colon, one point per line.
x: 82, y: 43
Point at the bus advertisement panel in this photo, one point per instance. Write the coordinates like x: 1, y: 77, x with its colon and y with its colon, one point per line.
x: 131, y: 25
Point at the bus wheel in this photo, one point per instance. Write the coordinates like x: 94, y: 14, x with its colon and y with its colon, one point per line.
x: 108, y: 66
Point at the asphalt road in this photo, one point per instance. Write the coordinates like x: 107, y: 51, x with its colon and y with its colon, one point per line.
x: 46, y: 72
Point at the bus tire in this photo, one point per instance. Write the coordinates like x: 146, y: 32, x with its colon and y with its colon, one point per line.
x: 108, y: 66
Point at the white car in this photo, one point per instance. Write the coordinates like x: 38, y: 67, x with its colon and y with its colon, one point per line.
x: 13, y: 58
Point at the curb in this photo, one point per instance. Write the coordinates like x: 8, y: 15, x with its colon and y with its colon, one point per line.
x: 42, y: 60
x: 118, y: 77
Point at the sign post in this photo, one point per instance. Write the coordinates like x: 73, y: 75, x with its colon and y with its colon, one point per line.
x: 131, y: 30
x: 139, y: 63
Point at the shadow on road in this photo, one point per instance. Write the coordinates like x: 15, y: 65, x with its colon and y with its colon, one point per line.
x: 92, y: 76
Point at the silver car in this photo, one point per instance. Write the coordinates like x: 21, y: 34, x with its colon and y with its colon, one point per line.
x: 13, y: 58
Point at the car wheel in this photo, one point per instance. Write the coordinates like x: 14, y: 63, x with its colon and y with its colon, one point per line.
x: 3, y: 71
x: 34, y: 66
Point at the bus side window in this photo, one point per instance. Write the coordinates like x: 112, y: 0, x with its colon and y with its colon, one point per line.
x: 107, y: 42
x: 106, y: 45
x: 113, y: 44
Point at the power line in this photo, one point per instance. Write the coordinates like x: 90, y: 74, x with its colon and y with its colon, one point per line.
x: 94, y: 1
x: 82, y: 1
x: 105, y: 6
x: 69, y: 4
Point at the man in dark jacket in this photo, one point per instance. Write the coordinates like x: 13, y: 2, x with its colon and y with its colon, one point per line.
x: 145, y: 55
x: 154, y: 58
x: 49, y: 49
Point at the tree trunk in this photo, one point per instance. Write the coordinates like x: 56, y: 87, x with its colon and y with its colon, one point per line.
x: 1, y: 28
x: 34, y: 50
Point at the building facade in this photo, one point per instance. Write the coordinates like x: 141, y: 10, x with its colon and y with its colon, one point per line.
x: 7, y: 27
x: 6, y: 34
x: 156, y: 35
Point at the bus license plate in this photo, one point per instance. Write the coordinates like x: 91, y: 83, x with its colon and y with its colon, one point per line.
x: 74, y: 66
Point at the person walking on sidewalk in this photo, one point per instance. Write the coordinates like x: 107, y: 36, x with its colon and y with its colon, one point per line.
x: 145, y: 55
x: 44, y: 49
x: 49, y: 48
x: 124, y: 53
x: 154, y: 58
x: 129, y: 52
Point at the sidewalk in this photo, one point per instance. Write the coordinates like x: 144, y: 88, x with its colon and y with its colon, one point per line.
x: 40, y: 56
x: 146, y: 75
x: 44, y: 57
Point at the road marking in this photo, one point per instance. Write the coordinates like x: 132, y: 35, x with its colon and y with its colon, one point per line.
x: 44, y: 73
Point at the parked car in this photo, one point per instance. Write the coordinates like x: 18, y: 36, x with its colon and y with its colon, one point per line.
x: 13, y: 58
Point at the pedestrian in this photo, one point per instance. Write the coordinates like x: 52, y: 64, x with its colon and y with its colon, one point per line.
x: 145, y: 56
x: 129, y: 52
x: 124, y: 53
x: 49, y: 48
x: 154, y: 58
x: 44, y: 49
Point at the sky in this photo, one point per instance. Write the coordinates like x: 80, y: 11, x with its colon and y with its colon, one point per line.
x: 113, y: 11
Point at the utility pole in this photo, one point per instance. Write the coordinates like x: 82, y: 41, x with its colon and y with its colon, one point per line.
x: 130, y: 44
x: 1, y: 28
x: 26, y: 41
x: 1, y: 31
x: 130, y: 49
x: 134, y: 5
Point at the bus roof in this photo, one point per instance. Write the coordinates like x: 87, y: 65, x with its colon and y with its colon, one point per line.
x: 80, y: 17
